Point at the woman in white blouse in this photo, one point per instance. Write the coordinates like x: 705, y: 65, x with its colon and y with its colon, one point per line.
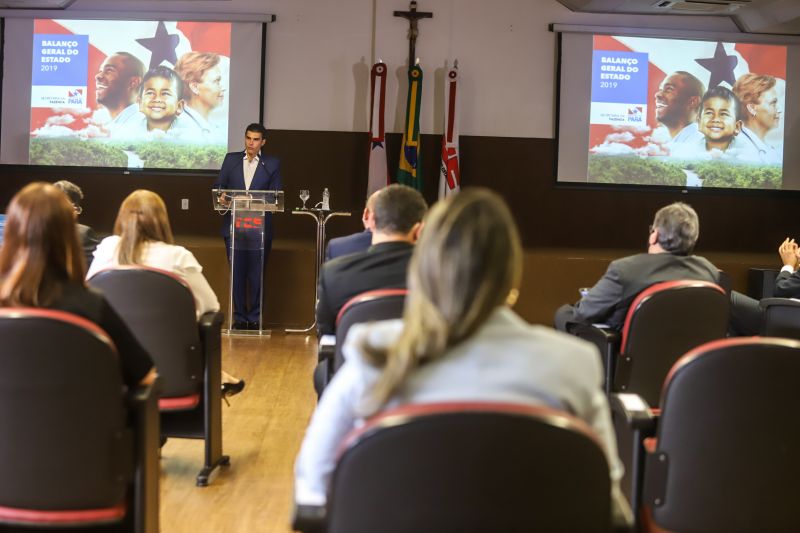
x: 143, y: 236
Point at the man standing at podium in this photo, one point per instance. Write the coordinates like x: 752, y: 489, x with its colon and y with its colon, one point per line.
x: 249, y: 170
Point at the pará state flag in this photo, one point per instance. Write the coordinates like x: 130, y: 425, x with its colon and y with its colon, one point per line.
x: 449, y: 171
x: 639, y: 65
x: 409, y: 171
x: 378, y: 176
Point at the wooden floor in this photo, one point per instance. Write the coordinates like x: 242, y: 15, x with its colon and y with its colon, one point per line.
x: 262, y: 431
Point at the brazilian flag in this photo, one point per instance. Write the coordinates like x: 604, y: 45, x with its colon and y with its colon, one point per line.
x: 409, y: 172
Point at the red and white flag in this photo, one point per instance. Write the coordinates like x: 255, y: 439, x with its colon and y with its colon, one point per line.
x: 378, y: 176
x: 449, y: 172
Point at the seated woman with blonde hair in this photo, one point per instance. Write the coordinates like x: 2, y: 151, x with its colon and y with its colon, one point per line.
x: 458, y: 340
x: 143, y: 236
x: 42, y: 265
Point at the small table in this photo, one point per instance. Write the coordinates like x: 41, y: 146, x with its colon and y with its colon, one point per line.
x: 322, y: 217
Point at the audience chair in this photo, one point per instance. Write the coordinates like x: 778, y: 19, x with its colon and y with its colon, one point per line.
x: 379, y: 304
x: 781, y: 317
x: 78, y: 449
x: 477, y: 467
x: 761, y: 282
x: 664, y: 321
x: 726, y: 452
x: 159, y: 308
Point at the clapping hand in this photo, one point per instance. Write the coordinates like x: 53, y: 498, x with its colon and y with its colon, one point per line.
x: 789, y: 253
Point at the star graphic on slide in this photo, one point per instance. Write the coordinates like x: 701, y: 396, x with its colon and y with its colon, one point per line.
x: 162, y: 46
x: 720, y: 66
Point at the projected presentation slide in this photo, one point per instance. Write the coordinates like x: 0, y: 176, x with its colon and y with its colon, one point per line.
x: 133, y: 94
x: 686, y: 113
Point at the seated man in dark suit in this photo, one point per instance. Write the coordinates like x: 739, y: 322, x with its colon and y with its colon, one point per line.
x: 673, y: 235
x: 357, y: 242
x: 746, y: 313
x: 88, y: 238
x: 397, y: 212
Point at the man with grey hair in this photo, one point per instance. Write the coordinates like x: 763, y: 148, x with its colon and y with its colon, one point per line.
x: 88, y: 238
x: 397, y: 212
x: 673, y: 234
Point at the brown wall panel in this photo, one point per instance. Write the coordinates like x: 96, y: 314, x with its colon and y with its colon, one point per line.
x: 568, y: 230
x: 522, y: 170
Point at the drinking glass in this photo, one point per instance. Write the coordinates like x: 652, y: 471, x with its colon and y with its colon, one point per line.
x: 304, y: 196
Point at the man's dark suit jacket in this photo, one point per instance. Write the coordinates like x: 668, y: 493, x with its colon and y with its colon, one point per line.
x: 787, y: 285
x: 608, y: 301
x: 266, y: 178
x: 349, y: 244
x: 382, y: 266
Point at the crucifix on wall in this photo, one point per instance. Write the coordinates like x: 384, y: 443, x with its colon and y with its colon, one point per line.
x: 413, y: 16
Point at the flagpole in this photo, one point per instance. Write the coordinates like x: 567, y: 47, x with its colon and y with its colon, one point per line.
x: 378, y: 173
x: 409, y: 171
x: 449, y: 168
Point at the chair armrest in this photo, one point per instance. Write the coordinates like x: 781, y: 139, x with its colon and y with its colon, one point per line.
x: 327, y: 348
x: 143, y: 405
x: 309, y: 518
x: 634, y: 410
x: 634, y: 421
x: 210, y: 328
x: 607, y: 341
x: 210, y: 320
x: 788, y: 302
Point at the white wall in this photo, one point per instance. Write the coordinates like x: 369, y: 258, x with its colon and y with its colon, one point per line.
x: 320, y: 53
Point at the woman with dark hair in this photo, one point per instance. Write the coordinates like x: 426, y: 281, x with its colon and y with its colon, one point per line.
x: 42, y: 265
x: 143, y: 236
x: 458, y: 340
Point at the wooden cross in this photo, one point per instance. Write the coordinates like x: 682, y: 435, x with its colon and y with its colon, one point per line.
x: 413, y: 16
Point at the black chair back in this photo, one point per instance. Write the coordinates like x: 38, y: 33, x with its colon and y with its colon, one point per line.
x: 761, y: 282
x: 476, y: 467
x: 665, y: 321
x: 727, y: 456
x: 66, y: 445
x: 379, y: 304
x: 159, y: 308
